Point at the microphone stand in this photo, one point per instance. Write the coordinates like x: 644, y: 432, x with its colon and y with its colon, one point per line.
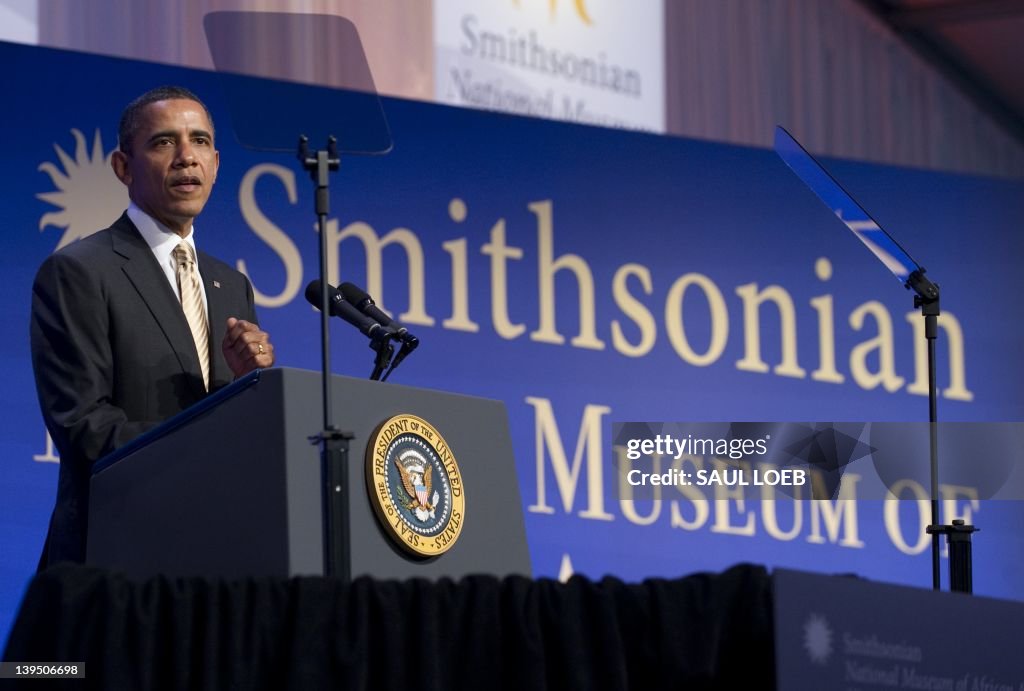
x: 409, y: 343
x: 384, y: 351
x: 333, y: 443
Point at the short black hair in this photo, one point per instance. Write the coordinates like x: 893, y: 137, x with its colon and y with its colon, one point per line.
x: 130, y: 115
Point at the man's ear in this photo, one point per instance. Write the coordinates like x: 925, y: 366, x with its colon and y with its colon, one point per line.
x: 119, y: 162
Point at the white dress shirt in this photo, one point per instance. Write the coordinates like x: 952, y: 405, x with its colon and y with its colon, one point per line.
x: 162, y: 241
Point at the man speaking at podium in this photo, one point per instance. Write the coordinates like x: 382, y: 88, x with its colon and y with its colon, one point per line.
x: 133, y: 324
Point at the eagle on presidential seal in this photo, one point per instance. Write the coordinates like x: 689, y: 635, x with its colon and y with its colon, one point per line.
x: 417, y: 481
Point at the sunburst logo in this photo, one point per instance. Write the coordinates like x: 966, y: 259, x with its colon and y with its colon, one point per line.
x: 580, y: 5
x: 87, y: 192
x: 817, y: 639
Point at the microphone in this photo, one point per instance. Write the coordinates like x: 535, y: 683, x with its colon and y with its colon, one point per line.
x: 338, y: 306
x: 365, y: 304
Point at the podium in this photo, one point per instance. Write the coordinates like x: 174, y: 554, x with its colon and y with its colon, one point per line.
x: 231, y: 487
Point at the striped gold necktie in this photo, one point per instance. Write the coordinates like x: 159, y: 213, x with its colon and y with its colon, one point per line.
x: 192, y: 304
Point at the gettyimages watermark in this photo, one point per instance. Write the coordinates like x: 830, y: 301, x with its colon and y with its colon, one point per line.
x: 818, y: 460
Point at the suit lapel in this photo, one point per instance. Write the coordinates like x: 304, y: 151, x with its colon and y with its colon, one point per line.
x: 151, y: 283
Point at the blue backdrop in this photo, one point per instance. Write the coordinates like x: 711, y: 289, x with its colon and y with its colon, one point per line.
x: 583, y: 276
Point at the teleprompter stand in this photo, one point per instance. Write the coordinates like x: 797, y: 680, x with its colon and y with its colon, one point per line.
x: 333, y: 442
x: 958, y: 535
x: 926, y: 297
x: 350, y: 120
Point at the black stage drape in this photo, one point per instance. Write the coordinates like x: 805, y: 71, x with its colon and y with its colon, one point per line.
x: 706, y: 631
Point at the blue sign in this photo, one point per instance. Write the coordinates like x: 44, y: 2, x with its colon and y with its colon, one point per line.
x: 584, y: 276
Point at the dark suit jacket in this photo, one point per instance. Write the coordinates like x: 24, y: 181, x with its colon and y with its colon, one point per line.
x: 113, y: 356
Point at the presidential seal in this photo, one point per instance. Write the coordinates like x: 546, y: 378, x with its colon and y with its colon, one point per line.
x: 415, y: 486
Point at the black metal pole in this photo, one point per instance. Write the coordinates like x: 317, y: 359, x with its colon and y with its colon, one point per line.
x: 958, y: 535
x: 926, y: 296
x: 334, y: 494
x: 322, y: 203
x: 931, y: 333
